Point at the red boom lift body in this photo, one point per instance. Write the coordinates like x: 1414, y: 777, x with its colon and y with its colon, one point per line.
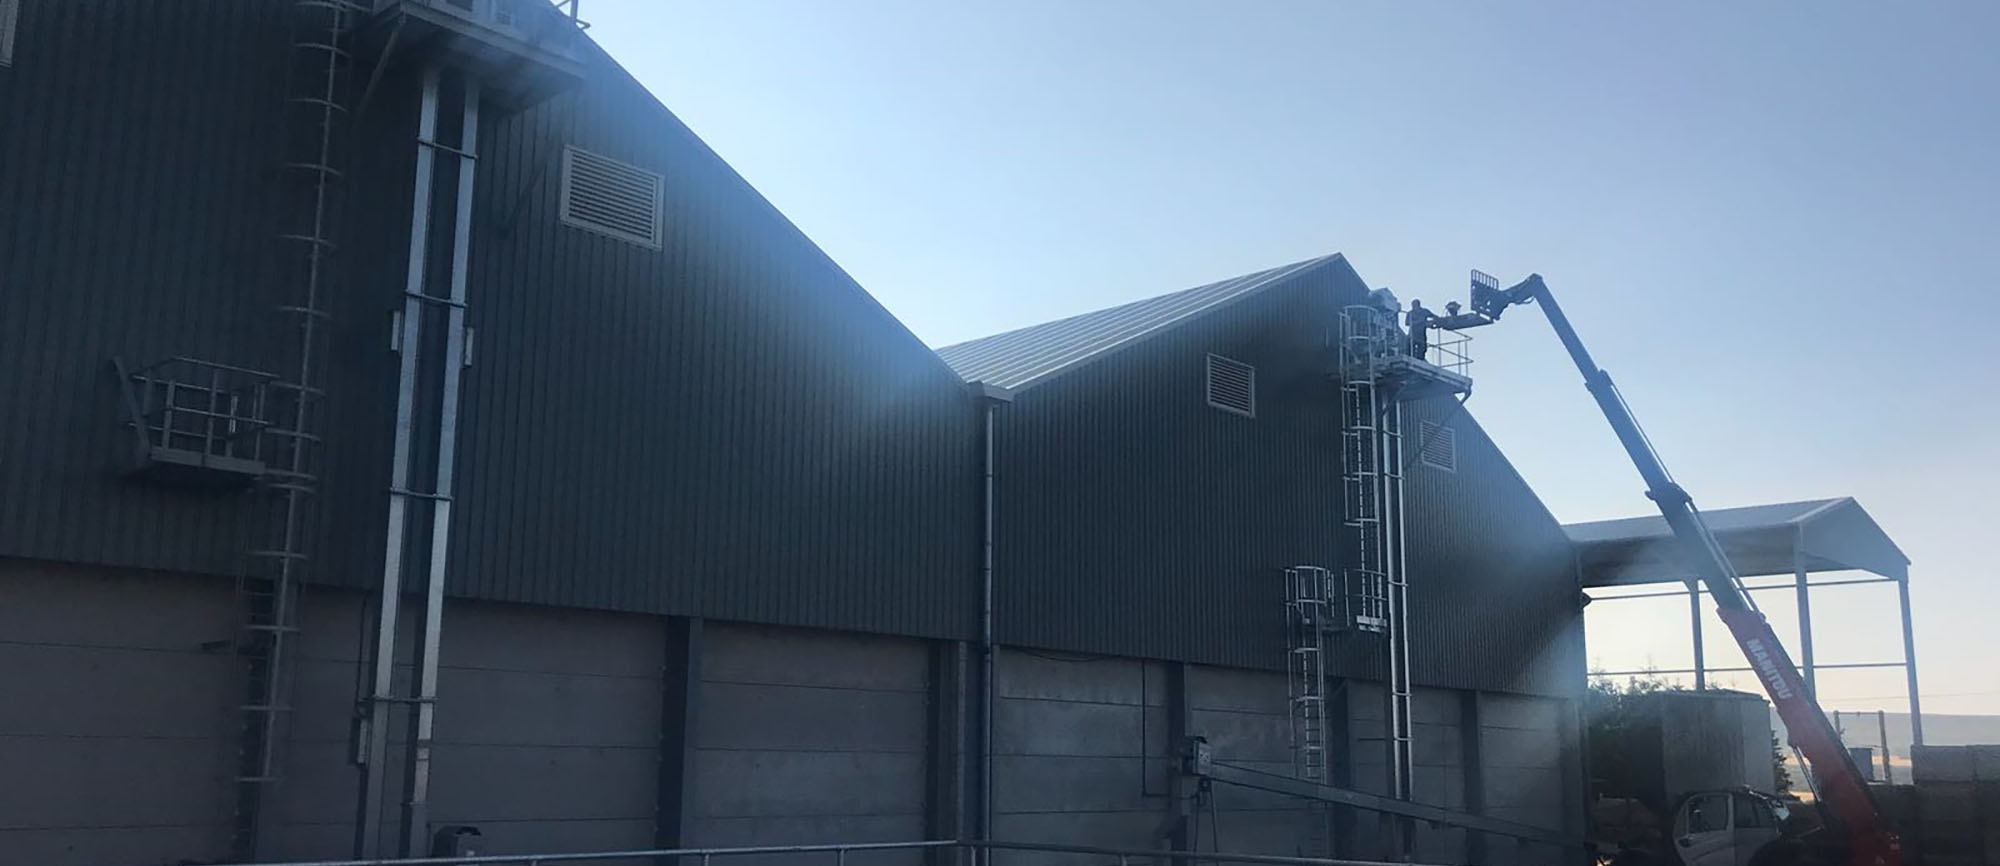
x: 1843, y: 796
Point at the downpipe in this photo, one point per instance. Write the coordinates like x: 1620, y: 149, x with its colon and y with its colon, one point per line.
x: 991, y: 398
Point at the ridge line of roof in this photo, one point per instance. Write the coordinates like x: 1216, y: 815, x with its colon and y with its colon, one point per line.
x: 1024, y: 357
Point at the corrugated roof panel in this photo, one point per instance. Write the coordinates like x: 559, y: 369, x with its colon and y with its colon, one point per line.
x: 1023, y: 357
x: 1719, y: 520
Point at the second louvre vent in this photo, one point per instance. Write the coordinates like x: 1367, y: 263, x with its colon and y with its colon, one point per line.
x: 606, y: 196
x: 1439, y: 446
x: 1232, y: 386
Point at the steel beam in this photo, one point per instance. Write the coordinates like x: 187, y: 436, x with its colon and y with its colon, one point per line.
x: 1742, y: 669
x: 1246, y: 778
x: 1625, y: 596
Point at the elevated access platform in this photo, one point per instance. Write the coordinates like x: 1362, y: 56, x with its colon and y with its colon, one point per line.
x: 521, y: 51
x: 1374, y: 349
x: 196, y: 423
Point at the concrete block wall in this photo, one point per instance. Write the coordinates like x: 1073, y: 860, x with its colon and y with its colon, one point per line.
x: 1521, y: 750
x: 1245, y: 716
x: 118, y: 723
x: 1080, y: 752
x: 1438, y: 764
x: 1957, y: 804
x: 119, y: 736
x: 547, y: 737
x: 807, y: 736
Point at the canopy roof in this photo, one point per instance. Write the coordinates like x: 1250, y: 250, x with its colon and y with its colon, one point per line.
x: 1818, y: 535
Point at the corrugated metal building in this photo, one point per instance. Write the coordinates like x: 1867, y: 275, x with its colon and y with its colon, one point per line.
x: 1124, y: 489
x: 1138, y: 515
x: 715, y: 531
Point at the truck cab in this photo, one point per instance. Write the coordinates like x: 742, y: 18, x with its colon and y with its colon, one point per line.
x: 1725, y: 828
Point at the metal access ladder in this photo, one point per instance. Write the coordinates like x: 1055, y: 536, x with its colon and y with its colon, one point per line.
x: 268, y: 592
x: 1372, y: 514
x: 1307, y: 609
x: 1309, y: 612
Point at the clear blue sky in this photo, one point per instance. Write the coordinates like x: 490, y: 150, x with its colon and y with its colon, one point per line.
x: 1778, y: 225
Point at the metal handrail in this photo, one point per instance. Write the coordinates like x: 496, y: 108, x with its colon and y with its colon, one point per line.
x: 206, y: 365
x: 1124, y: 856
x: 227, y: 404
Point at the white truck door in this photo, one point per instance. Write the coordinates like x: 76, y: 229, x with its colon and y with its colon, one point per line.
x: 1702, y: 835
x: 1752, y: 823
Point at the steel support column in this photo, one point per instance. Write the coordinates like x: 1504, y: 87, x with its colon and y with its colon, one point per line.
x: 1341, y: 820
x: 1694, y: 622
x: 1181, y: 812
x: 1882, y: 730
x: 680, y: 715
x: 944, y: 753
x: 1910, y: 661
x: 1471, y: 754
x: 372, y: 748
x: 423, y: 713
x: 1576, y: 778
x: 1805, y: 612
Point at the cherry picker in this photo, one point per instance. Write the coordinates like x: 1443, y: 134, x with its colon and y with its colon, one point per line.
x: 1843, y: 797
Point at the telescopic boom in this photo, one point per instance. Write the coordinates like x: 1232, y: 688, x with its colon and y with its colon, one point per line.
x: 1840, y: 787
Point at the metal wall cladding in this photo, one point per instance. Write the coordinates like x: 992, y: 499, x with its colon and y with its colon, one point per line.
x: 728, y: 426
x: 1492, y: 578
x: 136, y: 163
x: 1135, y: 519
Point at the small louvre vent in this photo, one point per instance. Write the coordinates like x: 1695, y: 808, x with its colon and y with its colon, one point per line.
x: 609, y: 197
x: 10, y: 16
x: 1439, y: 448
x: 1232, y: 386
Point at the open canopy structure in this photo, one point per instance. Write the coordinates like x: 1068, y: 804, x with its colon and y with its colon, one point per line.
x: 1787, y: 538
x: 1795, y: 538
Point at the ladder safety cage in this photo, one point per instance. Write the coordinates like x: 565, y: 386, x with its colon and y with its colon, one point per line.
x: 1308, y: 607
x: 1373, y: 359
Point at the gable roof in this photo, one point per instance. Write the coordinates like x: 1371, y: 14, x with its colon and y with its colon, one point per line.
x: 1024, y: 357
x: 706, y: 159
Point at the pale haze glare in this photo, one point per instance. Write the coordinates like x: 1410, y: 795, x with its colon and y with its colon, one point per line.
x: 1776, y: 225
